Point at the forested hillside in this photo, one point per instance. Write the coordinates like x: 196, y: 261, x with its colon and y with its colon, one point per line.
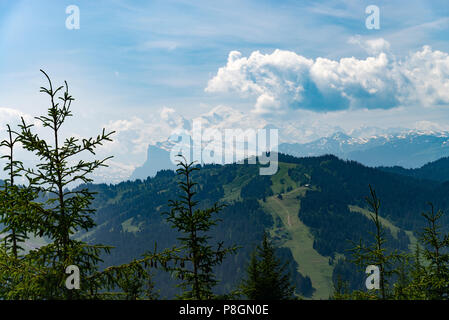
x: 317, y: 199
x: 437, y: 170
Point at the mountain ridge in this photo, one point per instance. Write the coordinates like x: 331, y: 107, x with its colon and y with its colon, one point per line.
x: 409, y: 149
x: 437, y: 170
x: 326, y: 190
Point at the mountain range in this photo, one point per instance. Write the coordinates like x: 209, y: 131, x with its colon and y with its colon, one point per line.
x: 313, y: 208
x: 410, y: 149
x: 407, y: 149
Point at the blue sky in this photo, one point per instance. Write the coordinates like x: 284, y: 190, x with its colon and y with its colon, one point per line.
x: 135, y: 64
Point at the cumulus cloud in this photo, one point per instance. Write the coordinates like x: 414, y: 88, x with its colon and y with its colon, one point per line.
x: 266, y: 103
x: 371, y: 46
x: 284, y: 80
x: 428, y: 73
x: 115, y: 172
x: 166, y: 113
x: 426, y: 125
x: 12, y: 116
x: 133, y: 135
x: 224, y: 117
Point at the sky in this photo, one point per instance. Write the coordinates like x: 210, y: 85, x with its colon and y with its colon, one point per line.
x: 147, y: 68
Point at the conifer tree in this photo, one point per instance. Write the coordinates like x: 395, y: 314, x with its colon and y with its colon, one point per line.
x: 377, y: 254
x: 16, y: 216
x: 66, y: 211
x: 250, y: 286
x: 13, y: 198
x: 421, y: 275
x: 267, y: 278
x: 430, y: 279
x: 196, y: 269
x: 57, y: 215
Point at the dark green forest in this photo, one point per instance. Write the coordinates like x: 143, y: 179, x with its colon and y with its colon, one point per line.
x: 335, y: 185
x: 213, y: 231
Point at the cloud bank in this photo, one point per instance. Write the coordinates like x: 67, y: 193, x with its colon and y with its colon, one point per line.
x: 285, y: 80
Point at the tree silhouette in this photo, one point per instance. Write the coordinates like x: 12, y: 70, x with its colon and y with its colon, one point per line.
x: 267, y: 278
x: 196, y: 270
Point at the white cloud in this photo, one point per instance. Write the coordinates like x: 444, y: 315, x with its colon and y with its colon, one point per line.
x: 12, y: 116
x: 114, y: 173
x: 371, y: 46
x: 223, y: 117
x: 428, y: 71
x: 133, y: 135
x: 167, y: 112
x: 265, y: 104
x: 426, y: 125
x: 285, y: 80
x: 161, y: 44
x: 173, y: 119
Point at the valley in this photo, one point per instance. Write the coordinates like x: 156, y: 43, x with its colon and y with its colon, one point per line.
x: 313, y: 208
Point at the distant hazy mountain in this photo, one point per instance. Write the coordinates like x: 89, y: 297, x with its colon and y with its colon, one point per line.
x: 158, y: 158
x: 409, y: 150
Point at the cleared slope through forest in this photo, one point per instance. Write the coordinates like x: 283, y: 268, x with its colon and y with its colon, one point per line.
x: 387, y: 224
x: 300, y: 241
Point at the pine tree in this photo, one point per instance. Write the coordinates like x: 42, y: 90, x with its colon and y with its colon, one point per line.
x: 421, y: 275
x: 376, y: 254
x: 251, y: 286
x: 16, y: 216
x: 267, y: 278
x: 66, y: 212
x: 432, y: 278
x: 196, y: 269
x: 13, y: 212
x: 58, y: 215
x: 415, y: 288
